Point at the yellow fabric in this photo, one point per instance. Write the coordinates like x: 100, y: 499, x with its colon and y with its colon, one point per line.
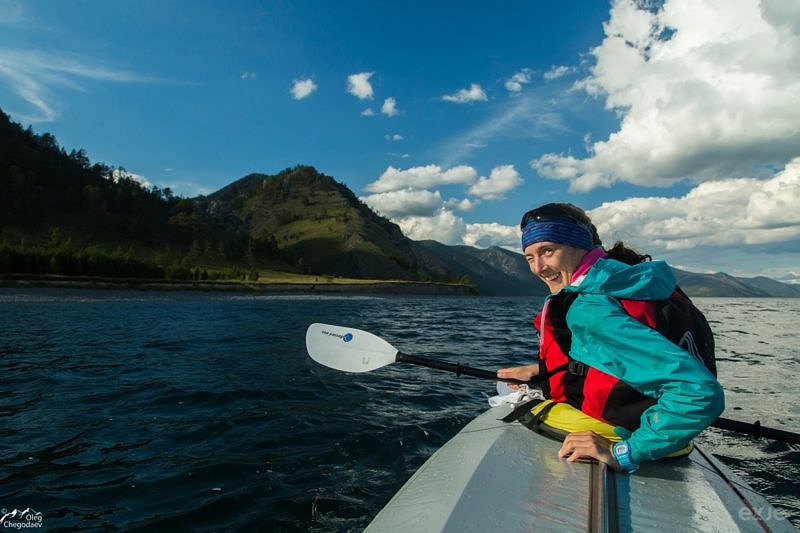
x: 567, y: 418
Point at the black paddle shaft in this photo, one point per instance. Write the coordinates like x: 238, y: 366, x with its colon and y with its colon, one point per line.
x: 756, y: 429
x: 458, y: 368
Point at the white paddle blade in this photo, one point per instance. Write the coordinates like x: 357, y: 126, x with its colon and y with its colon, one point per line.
x: 348, y: 349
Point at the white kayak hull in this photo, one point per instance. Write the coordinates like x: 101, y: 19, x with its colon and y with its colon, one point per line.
x: 494, y: 476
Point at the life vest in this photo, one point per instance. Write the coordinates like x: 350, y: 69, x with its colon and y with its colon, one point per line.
x: 601, y: 395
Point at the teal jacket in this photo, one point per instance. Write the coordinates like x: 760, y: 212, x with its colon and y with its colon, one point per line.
x: 689, y: 398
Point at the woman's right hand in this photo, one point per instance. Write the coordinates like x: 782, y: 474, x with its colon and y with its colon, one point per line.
x: 522, y: 373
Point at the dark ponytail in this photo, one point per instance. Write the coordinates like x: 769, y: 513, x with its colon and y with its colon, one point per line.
x: 627, y: 255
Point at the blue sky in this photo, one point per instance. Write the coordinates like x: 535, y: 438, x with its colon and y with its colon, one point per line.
x: 675, y: 123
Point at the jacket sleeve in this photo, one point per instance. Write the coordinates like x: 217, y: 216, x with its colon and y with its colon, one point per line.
x: 689, y: 398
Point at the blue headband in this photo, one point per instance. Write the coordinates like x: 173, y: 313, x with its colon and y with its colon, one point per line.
x: 562, y: 230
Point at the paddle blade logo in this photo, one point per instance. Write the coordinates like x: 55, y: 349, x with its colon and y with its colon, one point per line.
x: 347, y: 337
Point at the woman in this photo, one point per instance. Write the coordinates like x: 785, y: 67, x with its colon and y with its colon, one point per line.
x: 597, y: 337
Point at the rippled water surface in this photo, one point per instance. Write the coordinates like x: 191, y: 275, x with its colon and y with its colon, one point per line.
x: 195, y: 411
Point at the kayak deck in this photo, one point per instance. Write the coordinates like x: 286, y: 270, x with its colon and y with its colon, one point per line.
x: 494, y: 476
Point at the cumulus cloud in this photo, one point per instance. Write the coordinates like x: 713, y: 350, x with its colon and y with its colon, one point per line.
x: 721, y: 213
x: 514, y: 83
x: 303, y: 88
x: 704, y: 89
x: 464, y: 205
x: 403, y: 203
x: 501, y: 180
x: 394, y: 179
x: 394, y: 137
x: 444, y: 226
x: 368, y: 112
x: 463, y: 96
x: 389, y: 107
x: 359, y: 86
x: 249, y: 75
x: 405, y: 196
x: 494, y: 234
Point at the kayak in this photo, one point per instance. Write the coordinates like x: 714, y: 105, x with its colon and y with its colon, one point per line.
x: 497, y: 476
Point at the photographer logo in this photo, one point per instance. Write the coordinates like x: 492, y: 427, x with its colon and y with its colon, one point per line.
x: 17, y: 519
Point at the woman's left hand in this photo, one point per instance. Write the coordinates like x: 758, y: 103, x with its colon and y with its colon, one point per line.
x: 589, y: 444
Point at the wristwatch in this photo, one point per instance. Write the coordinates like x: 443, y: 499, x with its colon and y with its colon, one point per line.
x: 622, y: 453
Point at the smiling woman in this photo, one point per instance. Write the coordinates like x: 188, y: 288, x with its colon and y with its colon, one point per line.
x: 603, y: 338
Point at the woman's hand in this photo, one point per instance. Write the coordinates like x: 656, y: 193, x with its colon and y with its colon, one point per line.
x: 588, y: 444
x: 522, y: 373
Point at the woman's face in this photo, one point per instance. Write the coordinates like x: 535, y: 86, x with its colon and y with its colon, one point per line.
x: 554, y: 263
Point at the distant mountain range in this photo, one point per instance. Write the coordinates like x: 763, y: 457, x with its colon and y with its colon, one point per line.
x: 322, y: 223
x: 298, y: 220
x: 499, y: 272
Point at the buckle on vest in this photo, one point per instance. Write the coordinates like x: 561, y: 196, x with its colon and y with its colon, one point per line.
x: 577, y: 368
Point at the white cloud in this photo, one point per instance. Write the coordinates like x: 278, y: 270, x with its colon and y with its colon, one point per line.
x: 448, y: 228
x: 444, y: 227
x: 394, y: 137
x: 189, y: 189
x: 34, y: 76
x: 394, y: 179
x: 389, y: 107
x: 558, y: 72
x: 705, y: 90
x: 743, y: 212
x: 463, y: 96
x: 249, y: 75
x: 403, y: 196
x: 514, y: 83
x: 494, y: 234
x: 465, y: 204
x: 303, y: 88
x: 359, y: 86
x: 526, y: 116
x: 368, y: 112
x: 404, y: 203
x: 501, y: 180
x: 118, y: 174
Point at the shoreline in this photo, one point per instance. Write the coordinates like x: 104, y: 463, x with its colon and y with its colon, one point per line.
x: 367, y: 287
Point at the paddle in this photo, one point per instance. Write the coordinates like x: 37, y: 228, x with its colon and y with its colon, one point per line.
x: 354, y: 350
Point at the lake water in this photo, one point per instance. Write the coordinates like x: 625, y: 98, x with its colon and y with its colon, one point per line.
x: 198, y: 411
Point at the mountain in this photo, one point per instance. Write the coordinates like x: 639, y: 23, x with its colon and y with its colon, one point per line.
x: 318, y: 225
x: 499, y: 272
x: 63, y: 215
x: 494, y: 271
x: 721, y: 284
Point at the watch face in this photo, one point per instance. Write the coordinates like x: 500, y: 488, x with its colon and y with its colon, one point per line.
x: 622, y: 448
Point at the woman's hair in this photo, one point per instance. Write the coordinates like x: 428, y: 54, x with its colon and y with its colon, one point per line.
x: 620, y: 251
x: 625, y: 254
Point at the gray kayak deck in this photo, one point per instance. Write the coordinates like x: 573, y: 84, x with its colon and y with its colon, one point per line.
x: 494, y: 476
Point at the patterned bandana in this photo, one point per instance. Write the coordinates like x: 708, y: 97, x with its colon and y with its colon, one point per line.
x: 563, y: 231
